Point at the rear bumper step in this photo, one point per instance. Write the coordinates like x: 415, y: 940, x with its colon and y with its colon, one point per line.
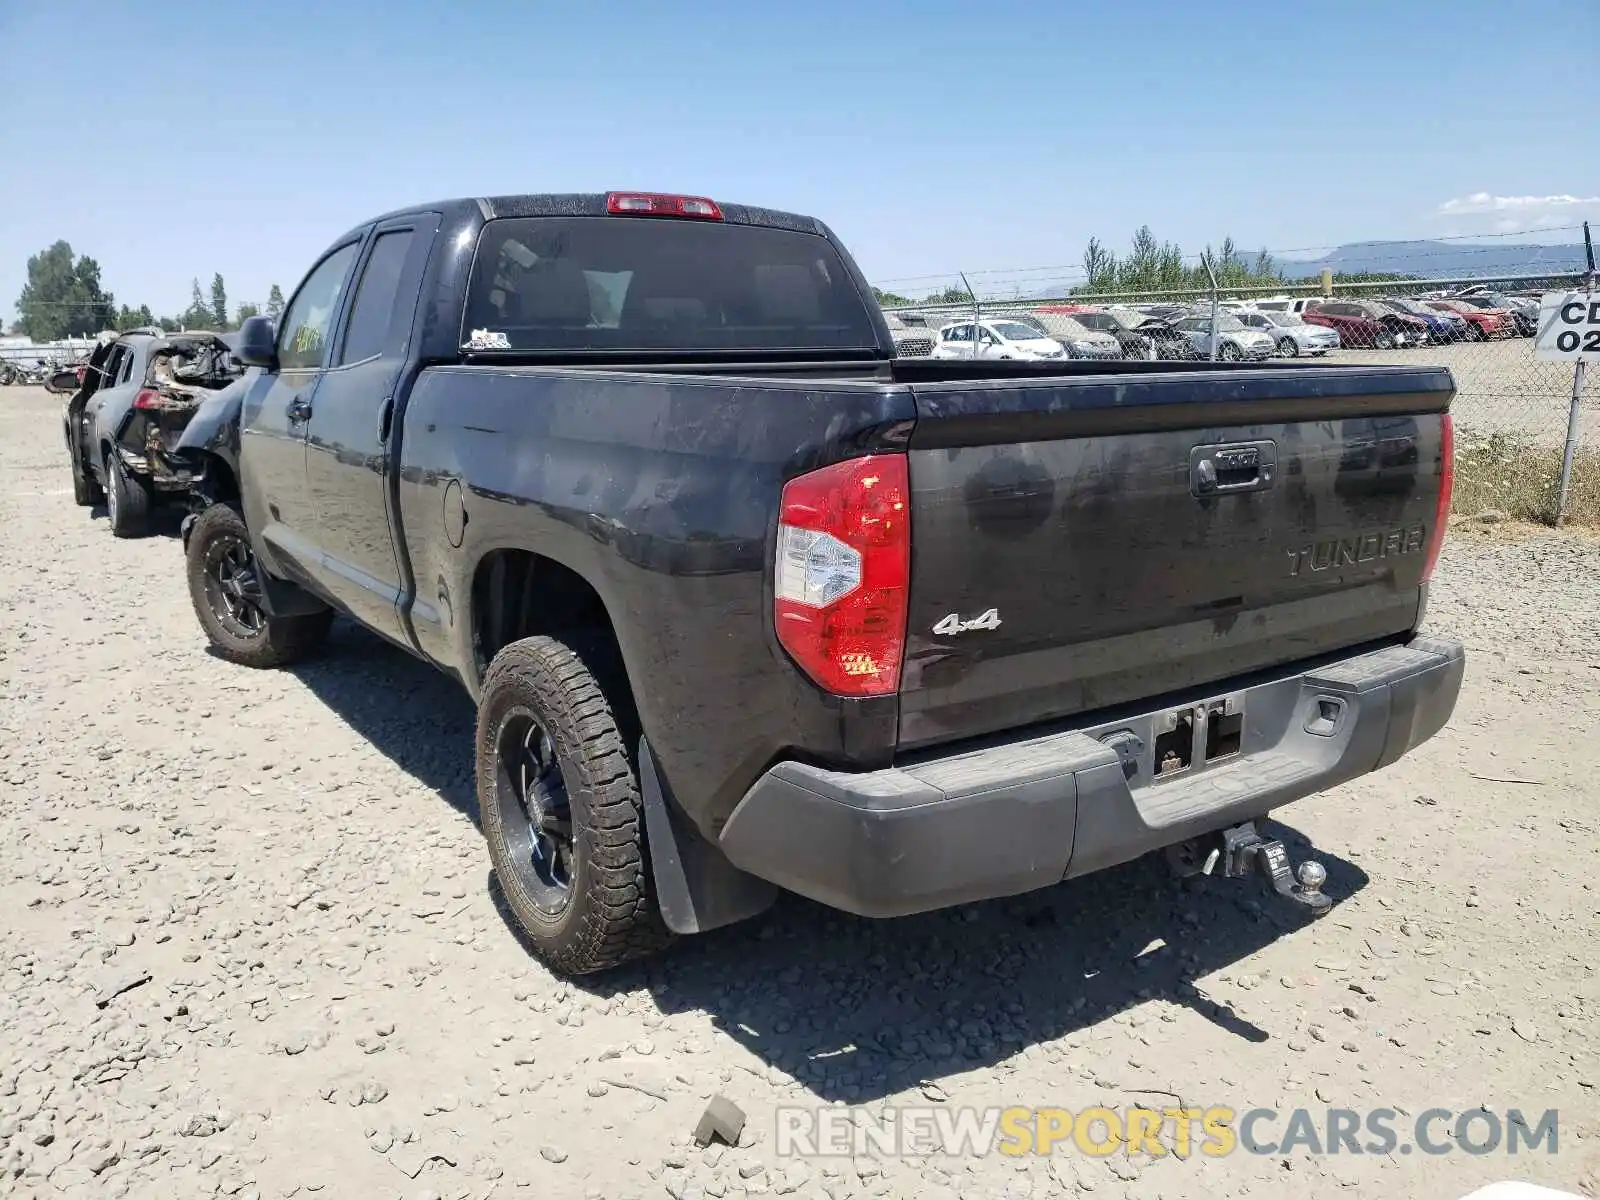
x: 1028, y: 813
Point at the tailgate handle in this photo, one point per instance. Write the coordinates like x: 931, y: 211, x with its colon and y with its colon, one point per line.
x: 1242, y: 467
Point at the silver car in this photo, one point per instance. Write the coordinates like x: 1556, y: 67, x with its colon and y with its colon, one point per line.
x: 1080, y: 341
x: 1235, y: 342
x: 1290, y: 333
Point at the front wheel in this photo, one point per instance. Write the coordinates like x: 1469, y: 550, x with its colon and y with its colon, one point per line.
x: 1229, y: 352
x: 1384, y: 340
x: 560, y: 805
x: 225, y: 589
x: 1288, y: 348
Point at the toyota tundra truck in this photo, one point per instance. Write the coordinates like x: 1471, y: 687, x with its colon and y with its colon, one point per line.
x: 747, y: 603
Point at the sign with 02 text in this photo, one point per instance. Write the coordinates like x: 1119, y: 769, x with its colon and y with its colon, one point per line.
x: 1569, y: 327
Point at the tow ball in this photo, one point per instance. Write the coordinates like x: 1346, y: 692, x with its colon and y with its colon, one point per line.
x: 1240, y: 850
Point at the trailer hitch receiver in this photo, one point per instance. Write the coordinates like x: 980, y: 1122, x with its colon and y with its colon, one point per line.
x: 1244, y: 850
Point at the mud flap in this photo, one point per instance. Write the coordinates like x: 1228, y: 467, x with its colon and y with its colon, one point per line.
x: 697, y: 888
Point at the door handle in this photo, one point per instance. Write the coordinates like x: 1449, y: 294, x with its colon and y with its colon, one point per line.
x: 299, y: 410
x: 384, y: 414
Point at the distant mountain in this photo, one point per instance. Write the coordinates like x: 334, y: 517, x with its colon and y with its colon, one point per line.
x: 1439, y: 260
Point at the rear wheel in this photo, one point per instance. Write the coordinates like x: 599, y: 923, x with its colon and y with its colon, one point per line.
x: 1288, y: 348
x: 127, y: 499
x: 225, y: 589
x: 560, y: 806
x: 86, y: 491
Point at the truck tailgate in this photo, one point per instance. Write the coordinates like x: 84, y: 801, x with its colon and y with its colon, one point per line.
x: 1083, y: 543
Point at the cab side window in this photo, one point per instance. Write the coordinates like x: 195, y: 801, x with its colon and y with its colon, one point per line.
x: 303, y: 340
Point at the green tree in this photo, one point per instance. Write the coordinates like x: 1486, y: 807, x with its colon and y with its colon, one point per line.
x: 888, y: 299
x: 219, y: 302
x: 63, y: 296
x: 199, y: 314
x: 134, y: 318
x: 246, y: 311
x: 274, y: 303
x: 170, y: 324
x: 950, y: 295
x: 1100, y: 265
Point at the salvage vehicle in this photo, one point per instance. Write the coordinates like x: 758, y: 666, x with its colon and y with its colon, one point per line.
x: 1138, y: 335
x: 1483, y: 324
x: 1443, y: 325
x: 910, y: 341
x: 138, y: 393
x: 1076, y: 338
x: 1361, y: 324
x: 748, y: 603
x: 1236, y: 341
x: 1289, y: 331
x: 1523, y: 311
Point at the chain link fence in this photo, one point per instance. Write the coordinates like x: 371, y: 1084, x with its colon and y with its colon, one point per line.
x: 1511, y: 409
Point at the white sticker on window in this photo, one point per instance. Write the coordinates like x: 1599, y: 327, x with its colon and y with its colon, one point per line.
x: 488, y: 339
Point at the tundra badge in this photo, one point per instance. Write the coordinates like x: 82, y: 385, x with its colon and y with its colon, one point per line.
x: 953, y: 623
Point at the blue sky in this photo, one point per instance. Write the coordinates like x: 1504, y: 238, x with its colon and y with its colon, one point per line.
x: 932, y: 136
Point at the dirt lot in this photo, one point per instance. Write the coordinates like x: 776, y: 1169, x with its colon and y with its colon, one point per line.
x: 323, y: 1000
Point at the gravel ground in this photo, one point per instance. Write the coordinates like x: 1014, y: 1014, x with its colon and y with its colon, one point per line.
x: 252, y: 948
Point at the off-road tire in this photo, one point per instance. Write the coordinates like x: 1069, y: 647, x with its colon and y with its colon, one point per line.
x: 128, y: 500
x: 610, y: 915
x: 282, y: 640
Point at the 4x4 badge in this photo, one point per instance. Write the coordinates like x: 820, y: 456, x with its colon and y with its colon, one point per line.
x: 953, y: 623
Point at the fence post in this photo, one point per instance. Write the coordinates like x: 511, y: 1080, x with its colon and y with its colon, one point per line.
x: 1212, y: 275
x: 1570, y: 450
x: 1327, y: 282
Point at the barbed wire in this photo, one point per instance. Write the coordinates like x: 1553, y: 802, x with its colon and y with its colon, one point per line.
x: 1075, y: 271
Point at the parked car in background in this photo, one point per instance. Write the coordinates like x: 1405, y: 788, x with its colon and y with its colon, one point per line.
x: 1000, y: 339
x: 909, y: 341
x: 1442, y: 328
x: 122, y: 425
x: 1299, y: 305
x: 1457, y: 327
x: 1362, y: 324
x: 1482, y: 323
x: 1524, y: 313
x: 1079, y: 340
x: 1138, y: 335
x: 1236, y: 341
x: 1290, y: 333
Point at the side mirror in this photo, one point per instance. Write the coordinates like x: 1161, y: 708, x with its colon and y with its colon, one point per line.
x: 63, y: 381
x: 258, y: 343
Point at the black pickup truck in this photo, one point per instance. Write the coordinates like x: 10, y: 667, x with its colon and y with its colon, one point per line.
x: 747, y: 603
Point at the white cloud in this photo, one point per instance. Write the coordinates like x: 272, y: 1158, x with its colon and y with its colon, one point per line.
x: 1483, y: 202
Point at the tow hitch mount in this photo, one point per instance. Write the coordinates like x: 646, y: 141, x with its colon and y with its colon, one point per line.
x: 1241, y: 850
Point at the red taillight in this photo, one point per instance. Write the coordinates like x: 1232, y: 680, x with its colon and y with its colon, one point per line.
x: 655, y: 204
x: 1447, y: 483
x: 843, y: 573
x: 147, y: 398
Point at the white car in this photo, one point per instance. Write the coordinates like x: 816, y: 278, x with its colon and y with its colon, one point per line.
x: 997, y: 339
x: 1285, y: 304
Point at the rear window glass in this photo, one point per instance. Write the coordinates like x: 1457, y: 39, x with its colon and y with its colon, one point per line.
x: 629, y: 283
